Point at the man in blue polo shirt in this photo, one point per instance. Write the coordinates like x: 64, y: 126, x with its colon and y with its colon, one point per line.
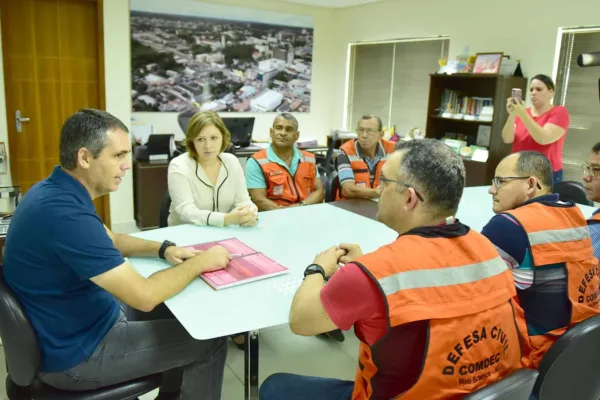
x: 68, y: 271
x: 591, y: 184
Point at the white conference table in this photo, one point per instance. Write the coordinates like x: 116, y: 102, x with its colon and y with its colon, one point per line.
x: 291, y: 237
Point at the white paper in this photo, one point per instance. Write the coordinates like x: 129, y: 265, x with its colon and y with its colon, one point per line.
x: 480, y: 155
x: 141, y: 132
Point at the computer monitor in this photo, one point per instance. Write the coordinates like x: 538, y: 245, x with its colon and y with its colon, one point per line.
x: 240, y: 129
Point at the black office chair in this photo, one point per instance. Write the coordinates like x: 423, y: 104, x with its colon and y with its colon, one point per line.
x: 573, y: 191
x: 332, y: 187
x: 23, y: 358
x: 570, y: 368
x: 163, y: 216
x: 516, y: 386
x: 327, y: 164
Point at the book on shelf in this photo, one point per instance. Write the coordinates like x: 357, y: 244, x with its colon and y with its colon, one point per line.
x: 457, y: 105
x: 246, y: 265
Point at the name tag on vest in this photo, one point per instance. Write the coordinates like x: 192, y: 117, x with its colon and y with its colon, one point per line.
x: 273, y: 173
x: 361, y: 184
x: 278, y: 190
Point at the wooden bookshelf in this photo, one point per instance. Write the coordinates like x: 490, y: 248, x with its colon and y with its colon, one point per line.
x: 497, y: 87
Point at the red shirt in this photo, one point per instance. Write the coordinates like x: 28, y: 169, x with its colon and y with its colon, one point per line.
x: 350, y: 298
x: 557, y: 115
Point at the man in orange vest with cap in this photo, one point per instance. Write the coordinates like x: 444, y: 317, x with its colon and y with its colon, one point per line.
x: 360, y: 161
x: 282, y: 175
x: 546, y: 243
x: 591, y: 184
x: 432, y: 310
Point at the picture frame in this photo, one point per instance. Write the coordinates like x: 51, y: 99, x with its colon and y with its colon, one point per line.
x: 488, y: 63
x: 3, y: 159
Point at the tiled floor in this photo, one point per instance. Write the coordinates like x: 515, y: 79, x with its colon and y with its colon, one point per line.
x: 280, y: 351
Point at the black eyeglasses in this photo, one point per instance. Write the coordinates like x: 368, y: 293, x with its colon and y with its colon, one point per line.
x: 498, y: 180
x: 406, y: 185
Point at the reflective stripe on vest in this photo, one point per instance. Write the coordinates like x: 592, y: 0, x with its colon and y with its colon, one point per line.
x: 308, y: 159
x: 442, y: 277
x: 559, y: 235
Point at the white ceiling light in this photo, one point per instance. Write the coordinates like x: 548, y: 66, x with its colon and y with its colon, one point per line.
x: 333, y: 3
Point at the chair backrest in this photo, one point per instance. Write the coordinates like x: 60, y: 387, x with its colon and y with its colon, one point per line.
x: 163, y: 216
x: 21, y: 348
x: 332, y: 187
x: 516, y: 386
x: 570, y: 369
x: 329, y: 163
x: 573, y: 191
x: 184, y: 117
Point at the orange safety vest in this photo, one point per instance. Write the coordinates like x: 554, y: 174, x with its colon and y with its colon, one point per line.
x: 362, y: 175
x: 558, y: 234
x: 283, y: 188
x: 461, y: 286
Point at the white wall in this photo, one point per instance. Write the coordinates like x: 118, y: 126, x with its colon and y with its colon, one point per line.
x: 118, y: 100
x: 524, y: 29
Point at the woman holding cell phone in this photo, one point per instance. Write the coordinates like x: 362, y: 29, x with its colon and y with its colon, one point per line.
x: 541, y: 127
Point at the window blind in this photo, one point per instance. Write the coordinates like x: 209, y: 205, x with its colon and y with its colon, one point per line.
x: 370, y: 72
x: 391, y: 80
x: 577, y: 89
x: 414, y: 62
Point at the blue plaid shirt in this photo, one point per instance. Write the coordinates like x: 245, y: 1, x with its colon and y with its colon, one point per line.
x: 595, y: 234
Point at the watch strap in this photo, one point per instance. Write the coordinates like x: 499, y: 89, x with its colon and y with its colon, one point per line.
x: 163, y: 248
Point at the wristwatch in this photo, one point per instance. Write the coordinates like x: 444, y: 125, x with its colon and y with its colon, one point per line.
x: 163, y: 248
x: 314, y: 269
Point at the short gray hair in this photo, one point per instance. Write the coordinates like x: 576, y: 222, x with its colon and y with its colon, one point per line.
x: 436, y: 170
x: 533, y: 163
x: 288, y: 117
x: 87, y: 128
x: 371, y: 116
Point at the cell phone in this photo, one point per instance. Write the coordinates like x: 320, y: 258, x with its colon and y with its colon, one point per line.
x: 517, y: 94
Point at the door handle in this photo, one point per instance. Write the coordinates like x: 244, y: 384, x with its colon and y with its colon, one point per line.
x: 19, y: 120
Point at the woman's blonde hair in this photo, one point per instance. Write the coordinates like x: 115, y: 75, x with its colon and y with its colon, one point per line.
x: 200, y: 121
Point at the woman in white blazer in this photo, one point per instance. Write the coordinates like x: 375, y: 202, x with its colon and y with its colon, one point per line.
x: 208, y: 186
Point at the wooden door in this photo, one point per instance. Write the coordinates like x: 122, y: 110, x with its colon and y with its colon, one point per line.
x: 53, y: 66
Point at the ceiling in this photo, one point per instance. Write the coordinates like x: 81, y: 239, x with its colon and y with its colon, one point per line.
x: 333, y: 3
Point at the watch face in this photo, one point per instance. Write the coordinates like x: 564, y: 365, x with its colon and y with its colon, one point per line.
x: 312, y: 269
